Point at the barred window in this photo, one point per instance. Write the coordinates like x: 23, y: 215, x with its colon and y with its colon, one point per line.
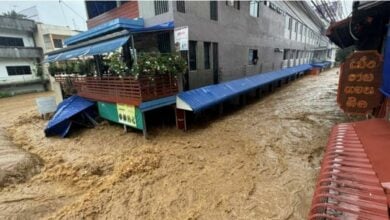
x: 206, y: 55
x: 214, y: 10
x: 11, y: 41
x: 180, y: 6
x: 254, y: 8
x: 192, y: 54
x: 57, y: 43
x: 18, y: 70
x: 160, y: 7
x: 164, y: 42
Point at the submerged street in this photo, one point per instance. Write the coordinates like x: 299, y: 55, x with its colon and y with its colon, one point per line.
x: 259, y: 162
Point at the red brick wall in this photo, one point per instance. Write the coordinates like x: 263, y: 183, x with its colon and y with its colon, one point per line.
x: 127, y: 10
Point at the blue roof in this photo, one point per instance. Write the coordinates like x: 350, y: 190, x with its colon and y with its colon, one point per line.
x: 70, y: 107
x: 99, y: 48
x: 157, y: 103
x: 109, y: 26
x: 132, y: 25
x: 322, y: 64
x: 204, y: 97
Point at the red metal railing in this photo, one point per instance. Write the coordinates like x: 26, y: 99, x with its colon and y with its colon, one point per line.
x: 127, y: 89
x: 347, y: 187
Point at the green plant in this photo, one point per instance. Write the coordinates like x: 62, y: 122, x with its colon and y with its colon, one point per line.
x: 4, y: 94
x: 153, y: 64
x: 116, y: 66
x: 38, y: 70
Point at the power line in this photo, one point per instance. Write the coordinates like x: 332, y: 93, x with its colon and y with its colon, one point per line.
x: 74, y: 11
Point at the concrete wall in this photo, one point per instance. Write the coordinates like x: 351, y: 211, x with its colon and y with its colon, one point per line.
x: 4, y: 78
x: 51, y: 32
x: 236, y: 32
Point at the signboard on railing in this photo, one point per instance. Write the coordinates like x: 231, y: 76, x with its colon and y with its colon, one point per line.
x: 126, y: 114
x: 181, y: 38
x: 360, y: 79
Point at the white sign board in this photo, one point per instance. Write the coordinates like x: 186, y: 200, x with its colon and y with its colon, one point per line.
x: 46, y: 104
x: 181, y: 38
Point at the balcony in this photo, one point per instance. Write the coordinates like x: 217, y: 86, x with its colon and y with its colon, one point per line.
x: 126, y: 89
x: 20, y: 52
x: 17, y: 24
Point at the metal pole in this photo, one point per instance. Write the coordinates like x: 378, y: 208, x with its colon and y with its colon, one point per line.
x: 133, y: 49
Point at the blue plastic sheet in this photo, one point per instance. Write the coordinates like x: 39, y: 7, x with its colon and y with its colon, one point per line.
x: 61, y: 122
x: 99, y: 48
x: 204, y: 97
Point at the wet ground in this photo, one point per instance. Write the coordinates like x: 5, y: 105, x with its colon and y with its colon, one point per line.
x: 259, y: 162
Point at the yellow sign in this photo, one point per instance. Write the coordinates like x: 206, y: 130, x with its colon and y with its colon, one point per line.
x: 126, y: 114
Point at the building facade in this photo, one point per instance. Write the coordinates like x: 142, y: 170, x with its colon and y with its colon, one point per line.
x: 19, y: 56
x: 23, y: 43
x: 229, y: 39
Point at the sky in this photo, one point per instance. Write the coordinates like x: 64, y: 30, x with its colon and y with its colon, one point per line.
x: 70, y: 13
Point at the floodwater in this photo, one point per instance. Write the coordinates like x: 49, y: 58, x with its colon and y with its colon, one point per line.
x: 258, y: 162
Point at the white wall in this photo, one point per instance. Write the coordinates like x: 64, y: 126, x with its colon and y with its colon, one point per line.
x: 27, y: 38
x: 4, y: 78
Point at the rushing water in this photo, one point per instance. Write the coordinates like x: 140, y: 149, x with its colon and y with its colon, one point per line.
x: 258, y: 162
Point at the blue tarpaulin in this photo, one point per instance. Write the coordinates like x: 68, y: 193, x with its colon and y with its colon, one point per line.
x: 324, y: 64
x: 99, y: 48
x: 204, y: 97
x: 132, y: 25
x: 66, y: 111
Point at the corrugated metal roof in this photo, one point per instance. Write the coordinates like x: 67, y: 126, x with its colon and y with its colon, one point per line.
x: 157, y: 103
x: 202, y: 98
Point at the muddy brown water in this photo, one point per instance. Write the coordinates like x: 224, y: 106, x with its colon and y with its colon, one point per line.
x: 259, y: 162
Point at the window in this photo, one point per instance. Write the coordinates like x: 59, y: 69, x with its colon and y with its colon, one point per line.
x: 160, y: 7
x: 11, y: 41
x: 164, y: 42
x: 95, y: 8
x: 180, y: 6
x: 18, y: 70
x: 234, y: 4
x: 290, y: 23
x: 252, y: 57
x: 57, y: 43
x: 285, y: 54
x: 206, y: 54
x: 192, y: 55
x: 254, y: 8
x: 214, y: 10
x: 296, y: 26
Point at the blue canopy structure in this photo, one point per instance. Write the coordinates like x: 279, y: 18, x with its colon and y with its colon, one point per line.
x: 67, y: 110
x: 99, y: 48
x: 84, y: 44
x: 204, y: 97
x: 132, y: 25
x: 323, y: 64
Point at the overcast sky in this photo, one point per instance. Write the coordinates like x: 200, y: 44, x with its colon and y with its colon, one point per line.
x: 70, y: 13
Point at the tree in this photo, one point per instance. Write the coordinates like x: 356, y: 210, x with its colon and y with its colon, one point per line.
x: 13, y: 14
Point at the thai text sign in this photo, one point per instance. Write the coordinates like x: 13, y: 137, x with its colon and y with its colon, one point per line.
x: 126, y: 114
x: 181, y: 38
x: 360, y: 79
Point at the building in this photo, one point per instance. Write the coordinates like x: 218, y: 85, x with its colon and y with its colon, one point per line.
x: 23, y: 43
x: 51, y: 37
x: 229, y: 39
x: 19, y: 56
